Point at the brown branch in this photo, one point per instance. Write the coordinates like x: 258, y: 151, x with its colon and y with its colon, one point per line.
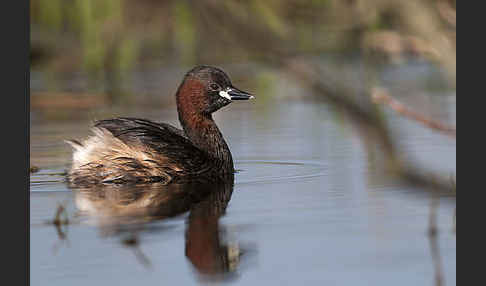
x: 376, y: 128
x: 380, y: 96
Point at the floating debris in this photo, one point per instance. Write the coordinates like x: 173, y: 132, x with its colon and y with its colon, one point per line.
x: 61, y: 210
x: 33, y: 169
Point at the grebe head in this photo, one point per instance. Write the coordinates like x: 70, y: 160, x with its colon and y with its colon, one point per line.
x: 206, y: 89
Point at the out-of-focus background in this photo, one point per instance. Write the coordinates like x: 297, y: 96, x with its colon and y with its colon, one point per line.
x: 350, y: 142
x: 85, y: 47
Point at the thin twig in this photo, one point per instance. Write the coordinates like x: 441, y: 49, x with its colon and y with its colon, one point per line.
x: 434, y: 245
x: 379, y: 95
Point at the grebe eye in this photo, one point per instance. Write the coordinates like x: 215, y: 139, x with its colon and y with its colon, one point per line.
x: 214, y: 86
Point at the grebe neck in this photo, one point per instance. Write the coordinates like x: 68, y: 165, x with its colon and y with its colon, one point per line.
x: 205, y: 134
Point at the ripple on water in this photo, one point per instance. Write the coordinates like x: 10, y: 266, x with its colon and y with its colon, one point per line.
x: 48, y: 180
x: 248, y: 172
x: 269, y: 171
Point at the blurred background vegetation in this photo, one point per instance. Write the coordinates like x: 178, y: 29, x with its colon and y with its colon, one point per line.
x: 108, y: 39
x: 86, y: 53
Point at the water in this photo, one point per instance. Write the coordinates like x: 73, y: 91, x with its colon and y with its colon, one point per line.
x: 308, y: 207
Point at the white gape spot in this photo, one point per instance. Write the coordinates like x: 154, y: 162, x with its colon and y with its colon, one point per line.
x: 224, y: 93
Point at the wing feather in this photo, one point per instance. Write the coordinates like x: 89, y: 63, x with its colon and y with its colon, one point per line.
x: 132, y: 149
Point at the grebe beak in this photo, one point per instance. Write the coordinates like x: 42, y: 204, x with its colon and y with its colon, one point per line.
x: 236, y: 94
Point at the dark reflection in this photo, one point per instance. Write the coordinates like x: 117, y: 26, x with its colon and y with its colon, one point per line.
x: 128, y: 212
x: 205, y: 247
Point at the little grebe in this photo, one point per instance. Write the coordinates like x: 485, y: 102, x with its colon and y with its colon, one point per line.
x: 124, y: 150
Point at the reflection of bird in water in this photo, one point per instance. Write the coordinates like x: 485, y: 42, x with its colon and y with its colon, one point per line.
x: 204, y: 246
x: 125, y: 210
